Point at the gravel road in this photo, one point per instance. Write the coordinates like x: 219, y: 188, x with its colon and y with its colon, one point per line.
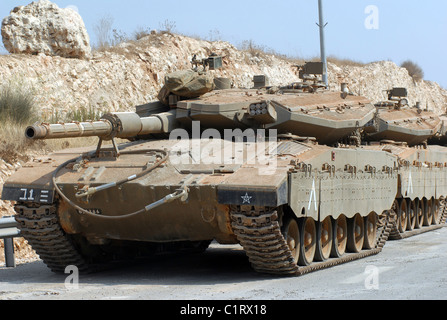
x: 413, y: 268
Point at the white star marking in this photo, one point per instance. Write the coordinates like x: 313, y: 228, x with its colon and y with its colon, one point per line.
x: 246, y: 198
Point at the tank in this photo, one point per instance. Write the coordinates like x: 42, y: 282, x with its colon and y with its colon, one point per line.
x: 415, y: 136
x: 282, y: 171
x: 397, y: 121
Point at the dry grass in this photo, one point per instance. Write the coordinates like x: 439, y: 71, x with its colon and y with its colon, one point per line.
x: 341, y: 62
x: 141, y: 32
x: 168, y: 26
x: 109, y: 38
x: 262, y: 51
x: 16, y: 102
x: 17, y: 111
x: 13, y: 144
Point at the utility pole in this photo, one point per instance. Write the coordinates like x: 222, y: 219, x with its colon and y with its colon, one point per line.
x: 322, y: 25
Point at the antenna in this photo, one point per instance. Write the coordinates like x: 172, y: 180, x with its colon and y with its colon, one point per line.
x: 322, y: 25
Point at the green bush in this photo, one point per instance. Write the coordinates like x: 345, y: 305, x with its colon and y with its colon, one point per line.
x: 16, y: 104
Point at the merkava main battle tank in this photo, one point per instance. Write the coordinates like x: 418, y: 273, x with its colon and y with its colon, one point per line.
x: 397, y: 121
x: 406, y: 132
x: 279, y: 170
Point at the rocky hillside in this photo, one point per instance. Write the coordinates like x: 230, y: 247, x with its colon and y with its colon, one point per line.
x: 133, y: 73
x: 372, y: 79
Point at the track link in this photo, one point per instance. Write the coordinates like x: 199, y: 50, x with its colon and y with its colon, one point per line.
x: 259, y: 233
x: 40, y: 226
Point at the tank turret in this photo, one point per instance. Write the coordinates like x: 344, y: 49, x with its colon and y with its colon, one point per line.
x: 304, y: 109
x: 396, y: 120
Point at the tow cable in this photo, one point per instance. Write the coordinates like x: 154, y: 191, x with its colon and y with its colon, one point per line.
x: 181, y: 193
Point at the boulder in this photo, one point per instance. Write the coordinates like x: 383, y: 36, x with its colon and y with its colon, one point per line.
x: 43, y: 27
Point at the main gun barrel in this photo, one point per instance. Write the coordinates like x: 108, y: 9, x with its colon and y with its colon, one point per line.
x: 68, y: 130
x: 112, y: 125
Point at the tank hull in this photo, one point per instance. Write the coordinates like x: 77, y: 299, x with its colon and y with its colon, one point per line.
x: 211, y: 191
x: 227, y: 201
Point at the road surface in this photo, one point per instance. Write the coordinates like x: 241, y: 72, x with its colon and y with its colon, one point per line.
x: 413, y: 268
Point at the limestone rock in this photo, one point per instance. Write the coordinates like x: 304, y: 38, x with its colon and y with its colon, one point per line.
x: 120, y: 78
x: 43, y: 27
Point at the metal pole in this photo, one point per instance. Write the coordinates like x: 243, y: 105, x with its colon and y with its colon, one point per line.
x: 322, y: 25
x: 9, y: 253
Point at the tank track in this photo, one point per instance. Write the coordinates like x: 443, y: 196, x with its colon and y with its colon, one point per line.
x: 443, y: 212
x: 396, y: 235
x: 257, y: 230
x: 259, y: 233
x: 39, y: 225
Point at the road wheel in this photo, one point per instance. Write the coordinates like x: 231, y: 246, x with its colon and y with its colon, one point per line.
x: 308, y: 241
x: 324, y: 240
x: 428, y: 213
x: 402, y: 216
x: 339, y: 237
x: 419, y: 214
x: 370, y: 231
x: 291, y: 234
x: 411, y: 216
x: 356, y: 233
x: 436, y: 208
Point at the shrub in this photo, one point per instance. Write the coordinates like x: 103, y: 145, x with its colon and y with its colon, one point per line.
x: 141, y: 32
x: 168, y: 26
x: 256, y: 50
x: 16, y: 112
x: 103, y: 30
x: 414, y: 70
x: 16, y: 103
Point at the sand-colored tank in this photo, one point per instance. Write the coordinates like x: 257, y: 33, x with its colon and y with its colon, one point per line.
x: 279, y: 170
x: 397, y: 121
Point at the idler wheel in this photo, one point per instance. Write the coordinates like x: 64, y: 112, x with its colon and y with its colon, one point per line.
x: 339, y: 237
x: 369, y: 241
x: 324, y: 240
x: 308, y: 232
x: 356, y: 230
